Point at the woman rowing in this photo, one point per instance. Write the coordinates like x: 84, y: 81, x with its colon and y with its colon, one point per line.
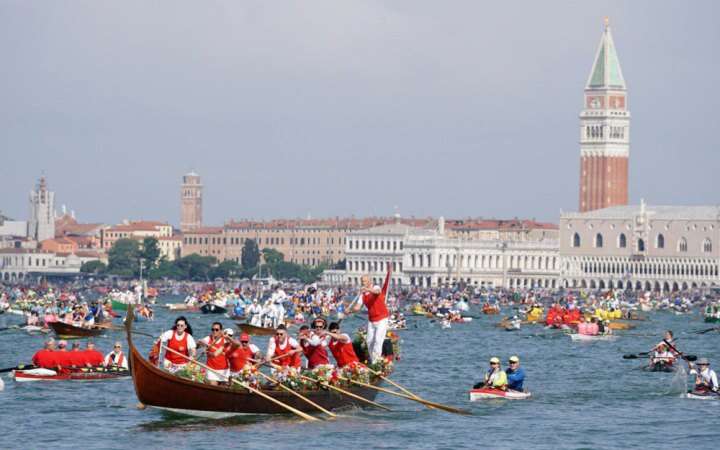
x: 179, y: 339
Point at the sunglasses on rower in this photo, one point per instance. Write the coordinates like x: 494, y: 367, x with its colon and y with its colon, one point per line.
x: 216, y: 329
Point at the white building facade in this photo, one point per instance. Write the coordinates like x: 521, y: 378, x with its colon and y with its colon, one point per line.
x: 17, y: 264
x: 640, y: 247
x: 428, y: 258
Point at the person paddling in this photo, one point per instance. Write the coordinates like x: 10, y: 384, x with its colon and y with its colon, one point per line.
x: 705, y: 378
x: 179, y: 339
x: 341, y: 347
x: 373, y: 297
x: 241, y: 353
x: 515, y: 374
x: 495, y: 377
x: 284, y: 348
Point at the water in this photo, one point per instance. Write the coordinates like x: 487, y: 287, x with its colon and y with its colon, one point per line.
x: 584, y: 396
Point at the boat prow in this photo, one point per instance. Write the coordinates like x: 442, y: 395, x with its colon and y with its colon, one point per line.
x: 490, y: 393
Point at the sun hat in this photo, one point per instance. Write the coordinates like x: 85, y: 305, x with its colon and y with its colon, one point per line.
x: 495, y: 360
x: 702, y: 362
x: 514, y: 359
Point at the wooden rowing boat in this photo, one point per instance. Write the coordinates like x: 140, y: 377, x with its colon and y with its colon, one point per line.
x: 93, y: 374
x: 160, y: 389
x: 252, y: 330
x: 67, y: 331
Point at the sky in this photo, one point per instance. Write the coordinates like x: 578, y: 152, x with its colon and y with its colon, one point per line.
x: 337, y: 108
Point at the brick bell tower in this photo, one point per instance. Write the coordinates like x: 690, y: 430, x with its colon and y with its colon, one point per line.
x: 604, y: 132
x: 190, y: 202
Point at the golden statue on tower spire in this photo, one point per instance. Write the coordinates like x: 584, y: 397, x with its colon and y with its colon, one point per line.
x: 606, y: 21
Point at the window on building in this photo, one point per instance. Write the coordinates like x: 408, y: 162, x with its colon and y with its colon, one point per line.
x: 576, y: 240
x: 660, y: 241
x: 598, y: 240
x: 640, y: 245
x: 707, y: 245
x: 622, y: 241
x: 682, y: 245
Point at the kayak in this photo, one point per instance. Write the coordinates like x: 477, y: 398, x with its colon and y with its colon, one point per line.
x: 659, y: 367
x: 589, y: 338
x: 703, y: 395
x: 487, y: 393
x: 75, y: 375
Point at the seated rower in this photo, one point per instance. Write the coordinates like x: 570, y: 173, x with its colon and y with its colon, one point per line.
x: 217, y: 349
x: 314, y: 343
x: 515, y: 374
x: 180, y: 340
x: 63, y: 359
x: 241, y: 353
x: 283, y: 350
x: 662, y: 355
x: 495, y: 377
x: 93, y: 358
x: 116, y: 358
x: 668, y: 336
x: 705, y: 378
x: 45, y: 357
x: 341, y: 347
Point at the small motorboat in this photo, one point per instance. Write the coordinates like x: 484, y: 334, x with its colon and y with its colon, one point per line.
x: 95, y: 373
x: 210, y: 308
x: 591, y: 338
x: 485, y: 393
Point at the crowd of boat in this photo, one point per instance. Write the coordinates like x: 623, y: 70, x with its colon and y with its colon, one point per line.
x: 303, y: 324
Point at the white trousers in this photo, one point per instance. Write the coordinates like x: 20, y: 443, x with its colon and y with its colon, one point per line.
x: 375, y: 338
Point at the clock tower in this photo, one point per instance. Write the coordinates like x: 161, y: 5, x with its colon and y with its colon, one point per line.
x: 604, y: 132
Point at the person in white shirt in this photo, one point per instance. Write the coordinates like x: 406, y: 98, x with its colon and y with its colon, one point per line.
x: 179, y: 339
x: 116, y: 358
x: 254, y: 312
x: 705, y: 377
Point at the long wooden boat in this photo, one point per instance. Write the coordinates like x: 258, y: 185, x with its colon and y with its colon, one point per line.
x: 252, y: 330
x: 160, y: 389
x: 66, y: 331
x: 94, y: 374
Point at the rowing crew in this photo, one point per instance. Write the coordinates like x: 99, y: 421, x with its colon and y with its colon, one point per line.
x: 511, y: 379
x: 228, y: 357
x: 56, y: 356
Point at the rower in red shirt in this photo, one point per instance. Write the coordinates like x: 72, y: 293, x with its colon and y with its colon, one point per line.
x: 284, y: 348
x: 93, y: 357
x: 373, y: 297
x: 314, y: 344
x: 45, y: 357
x: 341, y: 347
x: 217, y: 348
x: 240, y: 352
x: 63, y: 358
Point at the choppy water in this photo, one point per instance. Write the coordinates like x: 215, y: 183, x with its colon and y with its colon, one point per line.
x: 584, y: 396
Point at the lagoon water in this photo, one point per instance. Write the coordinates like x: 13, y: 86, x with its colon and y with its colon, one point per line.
x: 585, y: 396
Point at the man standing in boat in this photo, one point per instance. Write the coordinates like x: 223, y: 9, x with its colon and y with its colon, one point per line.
x: 373, y: 297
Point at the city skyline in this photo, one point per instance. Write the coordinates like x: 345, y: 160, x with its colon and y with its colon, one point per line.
x: 436, y: 108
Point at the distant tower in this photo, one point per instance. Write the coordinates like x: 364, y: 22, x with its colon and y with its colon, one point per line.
x: 42, y: 212
x: 191, y: 202
x: 604, y: 132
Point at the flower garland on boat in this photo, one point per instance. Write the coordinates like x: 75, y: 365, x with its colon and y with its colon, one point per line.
x: 193, y: 372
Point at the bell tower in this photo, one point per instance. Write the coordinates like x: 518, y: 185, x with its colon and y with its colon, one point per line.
x: 190, y: 202
x: 604, y: 132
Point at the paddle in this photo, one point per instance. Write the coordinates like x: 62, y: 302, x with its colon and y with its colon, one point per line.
x: 297, y: 394
x: 248, y: 387
x: 688, y: 358
x: 19, y: 367
x: 706, y: 331
x: 378, y: 374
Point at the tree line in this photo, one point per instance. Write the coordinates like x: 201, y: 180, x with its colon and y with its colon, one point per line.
x: 128, y: 256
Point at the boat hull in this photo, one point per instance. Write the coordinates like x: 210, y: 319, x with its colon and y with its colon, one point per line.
x: 703, y: 395
x: 489, y: 393
x: 252, y: 330
x: 65, y: 331
x: 22, y: 376
x: 588, y: 338
x: 212, y: 309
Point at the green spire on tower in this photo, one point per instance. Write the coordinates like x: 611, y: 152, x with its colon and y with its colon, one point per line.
x: 606, y: 72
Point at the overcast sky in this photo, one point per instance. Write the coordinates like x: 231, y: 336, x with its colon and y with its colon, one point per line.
x: 335, y: 108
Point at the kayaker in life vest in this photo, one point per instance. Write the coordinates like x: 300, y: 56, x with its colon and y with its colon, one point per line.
x: 662, y: 355
x: 495, y: 377
x: 341, y: 347
x: 515, y: 374
x: 241, y: 353
x: 217, y: 348
x: 179, y: 339
x: 705, y: 378
x: 116, y: 358
x: 373, y: 297
x: 284, y: 348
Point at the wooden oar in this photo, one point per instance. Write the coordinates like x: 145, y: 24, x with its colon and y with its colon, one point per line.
x: 297, y: 394
x: 248, y: 387
x: 337, y: 389
x: 19, y: 367
x: 415, y: 399
x: 260, y: 363
x: 378, y: 374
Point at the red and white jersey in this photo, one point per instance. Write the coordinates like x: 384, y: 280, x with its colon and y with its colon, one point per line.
x: 239, y: 356
x: 343, y: 352
x: 216, y: 352
x: 183, y: 345
x: 276, y: 348
x: 116, y: 359
x: 315, y: 350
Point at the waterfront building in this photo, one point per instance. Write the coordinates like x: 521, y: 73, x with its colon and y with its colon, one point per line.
x: 41, y: 225
x: 641, y: 247
x: 137, y: 230
x: 19, y: 264
x: 85, y: 235
x: 191, y: 202
x: 604, y: 132
x: 170, y: 247
x: 424, y: 256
